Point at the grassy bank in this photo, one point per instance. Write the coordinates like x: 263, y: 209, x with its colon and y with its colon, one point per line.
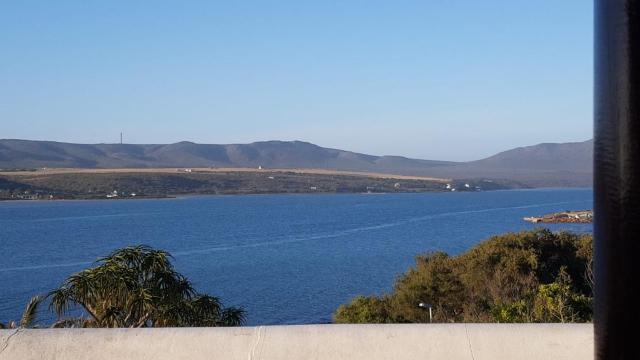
x: 164, y: 183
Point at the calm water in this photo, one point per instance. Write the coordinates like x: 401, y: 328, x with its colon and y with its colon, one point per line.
x: 287, y: 259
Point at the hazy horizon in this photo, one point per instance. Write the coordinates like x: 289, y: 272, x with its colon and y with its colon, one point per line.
x: 453, y: 81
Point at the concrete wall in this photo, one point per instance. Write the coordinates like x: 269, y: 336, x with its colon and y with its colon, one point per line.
x: 330, y: 342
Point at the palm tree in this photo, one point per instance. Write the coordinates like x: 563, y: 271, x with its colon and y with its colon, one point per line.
x: 137, y: 287
x: 28, y: 315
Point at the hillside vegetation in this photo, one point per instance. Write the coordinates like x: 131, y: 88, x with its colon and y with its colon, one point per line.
x: 532, y: 276
x: 84, y: 185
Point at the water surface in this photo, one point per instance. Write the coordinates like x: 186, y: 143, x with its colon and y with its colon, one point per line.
x: 287, y: 259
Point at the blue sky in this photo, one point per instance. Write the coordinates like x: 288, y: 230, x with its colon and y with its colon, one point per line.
x: 435, y: 79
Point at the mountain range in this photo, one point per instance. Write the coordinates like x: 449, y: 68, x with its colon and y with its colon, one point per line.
x: 547, y: 164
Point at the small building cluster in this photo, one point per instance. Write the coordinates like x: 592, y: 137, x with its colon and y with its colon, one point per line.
x: 115, y: 194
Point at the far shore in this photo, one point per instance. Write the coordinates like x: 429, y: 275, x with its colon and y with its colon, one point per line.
x: 159, y: 183
x: 51, y: 171
x: 192, y: 195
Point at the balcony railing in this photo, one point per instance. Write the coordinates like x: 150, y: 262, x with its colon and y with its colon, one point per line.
x: 320, y: 342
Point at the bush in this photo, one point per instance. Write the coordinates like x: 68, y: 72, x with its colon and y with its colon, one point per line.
x: 531, y: 276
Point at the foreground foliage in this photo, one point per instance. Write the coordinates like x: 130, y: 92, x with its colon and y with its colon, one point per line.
x: 532, y: 276
x: 28, y: 315
x: 132, y: 287
x: 138, y: 287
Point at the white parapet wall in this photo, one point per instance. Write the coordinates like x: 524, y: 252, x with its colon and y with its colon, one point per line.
x: 321, y: 342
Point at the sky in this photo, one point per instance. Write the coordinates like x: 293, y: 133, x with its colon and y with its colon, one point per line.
x: 432, y: 79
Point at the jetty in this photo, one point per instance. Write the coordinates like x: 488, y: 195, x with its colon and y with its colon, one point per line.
x: 579, y: 217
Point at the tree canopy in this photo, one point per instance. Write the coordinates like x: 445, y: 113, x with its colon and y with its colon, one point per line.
x: 136, y: 287
x: 531, y: 276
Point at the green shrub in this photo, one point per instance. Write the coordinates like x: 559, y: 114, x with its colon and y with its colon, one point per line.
x: 531, y: 276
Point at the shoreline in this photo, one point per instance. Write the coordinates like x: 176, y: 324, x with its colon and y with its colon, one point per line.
x: 154, y: 183
x: 190, y: 195
x: 316, y: 193
x: 118, y: 184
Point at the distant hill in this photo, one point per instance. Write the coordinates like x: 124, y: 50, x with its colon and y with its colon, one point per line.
x: 576, y: 157
x: 271, y: 154
x: 567, y: 164
x: 542, y: 165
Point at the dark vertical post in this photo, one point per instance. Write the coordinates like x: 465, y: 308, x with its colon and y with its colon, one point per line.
x: 617, y: 179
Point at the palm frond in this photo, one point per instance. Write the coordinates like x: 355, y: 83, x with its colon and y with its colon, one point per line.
x: 31, y: 311
x: 232, y: 316
x: 61, y: 300
x: 138, y: 286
